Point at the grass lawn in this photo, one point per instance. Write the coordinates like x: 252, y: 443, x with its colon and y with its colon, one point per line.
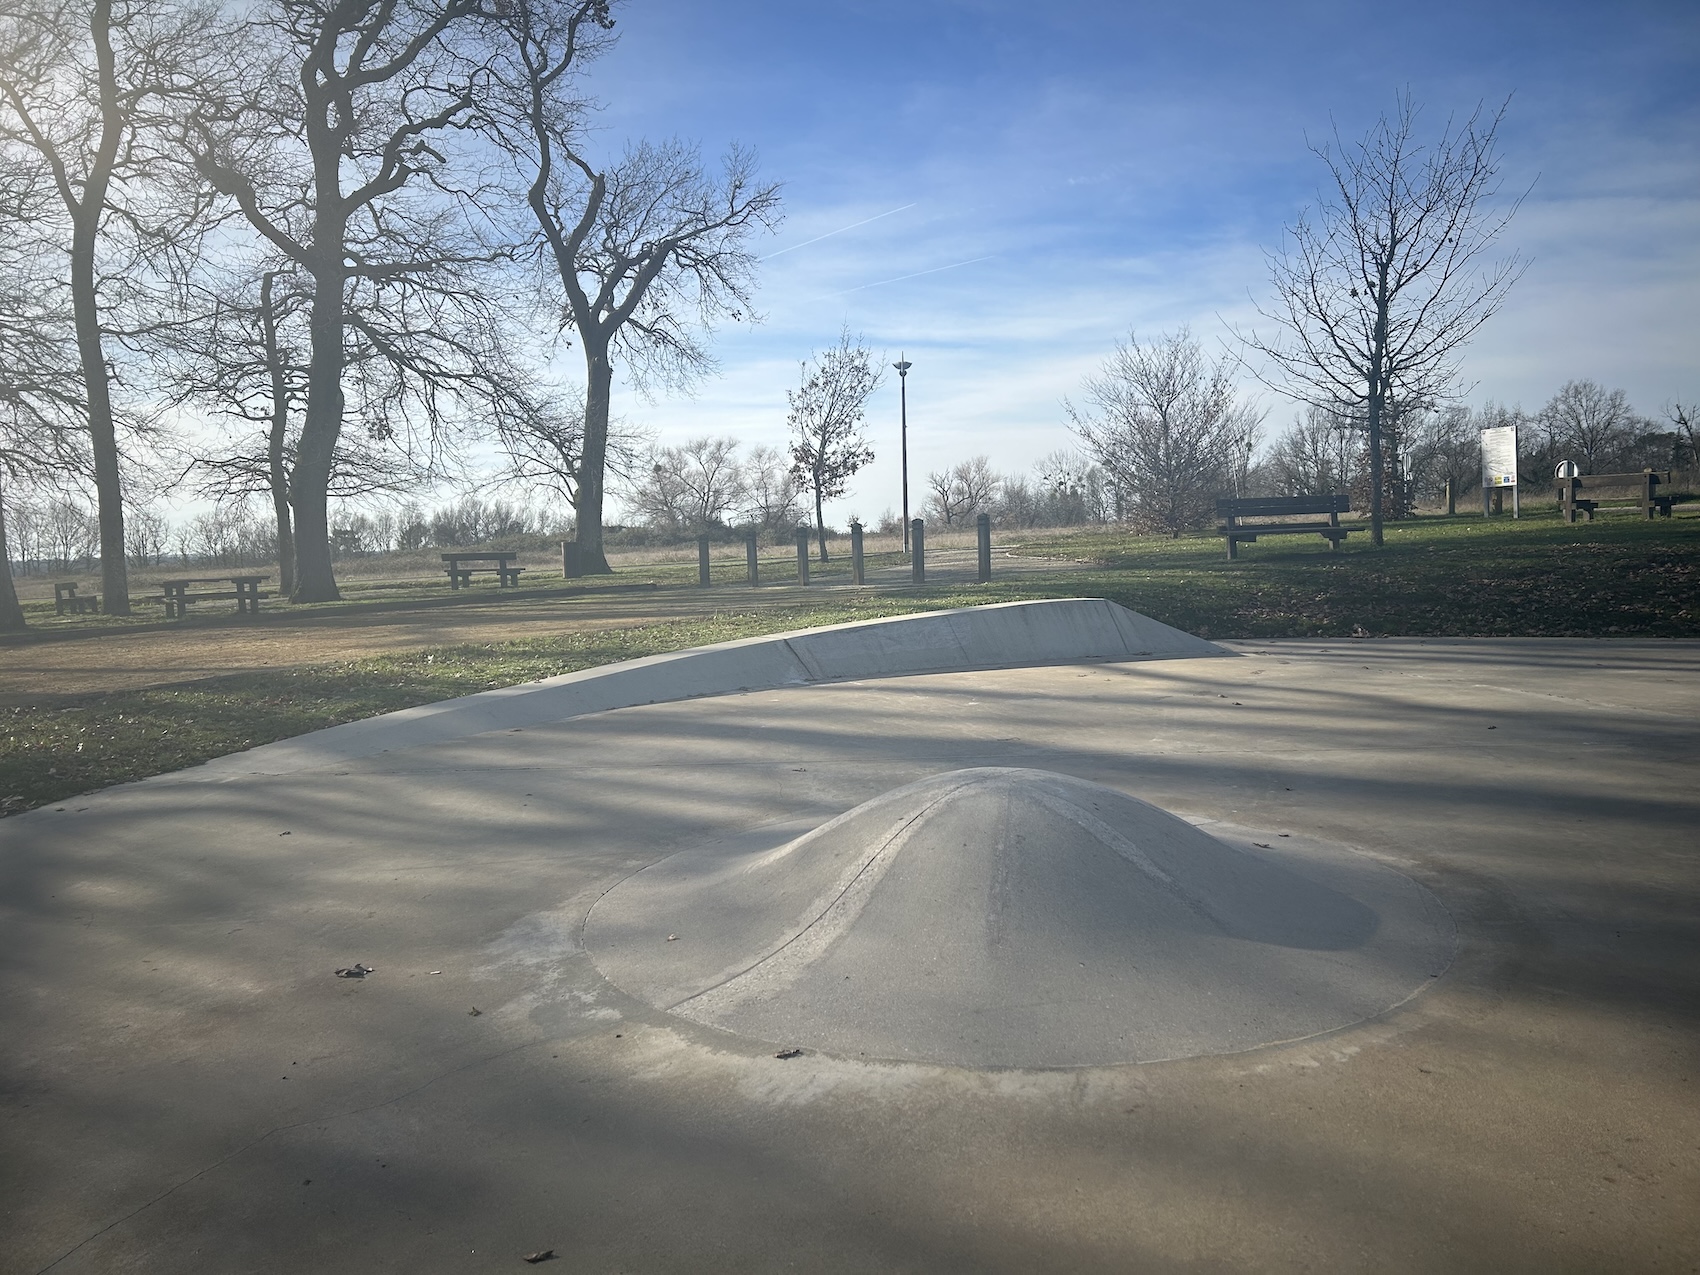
x: 1618, y: 577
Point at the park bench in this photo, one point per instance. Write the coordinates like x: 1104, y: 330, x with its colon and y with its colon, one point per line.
x: 65, y: 599
x: 1234, y: 510
x: 500, y: 563
x: 1617, y: 491
x: 176, y: 595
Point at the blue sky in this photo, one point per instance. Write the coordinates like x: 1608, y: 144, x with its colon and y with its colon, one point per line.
x: 1070, y: 171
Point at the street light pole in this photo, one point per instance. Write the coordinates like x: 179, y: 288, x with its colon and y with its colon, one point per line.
x: 903, y: 365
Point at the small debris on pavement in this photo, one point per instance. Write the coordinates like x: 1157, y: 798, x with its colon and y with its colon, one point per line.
x: 1261, y: 845
x: 789, y: 1053
x: 356, y: 970
x: 440, y: 971
x: 672, y: 938
x: 545, y: 1255
x: 474, y: 1012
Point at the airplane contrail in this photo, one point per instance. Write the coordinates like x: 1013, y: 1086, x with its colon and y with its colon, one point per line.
x: 829, y: 234
x: 900, y: 278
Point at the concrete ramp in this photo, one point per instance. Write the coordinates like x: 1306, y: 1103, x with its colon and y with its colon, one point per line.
x: 1005, y: 635
x: 1009, y: 917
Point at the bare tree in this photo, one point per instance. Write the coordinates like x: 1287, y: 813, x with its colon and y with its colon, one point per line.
x: 1684, y: 420
x: 1313, y: 457
x: 542, y: 444
x: 78, y: 81
x: 964, y: 489
x: 1167, y: 427
x: 689, y: 488
x: 1376, y: 296
x: 147, y: 533
x: 647, y: 253
x: 827, y: 447
x: 242, y: 352
x: 42, y: 434
x: 1445, y: 449
x: 1076, y: 489
x: 773, y: 495
x: 335, y: 135
x: 1585, y: 421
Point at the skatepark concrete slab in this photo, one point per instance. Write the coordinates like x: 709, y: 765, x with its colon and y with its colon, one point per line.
x: 1004, y: 635
x: 187, y: 1086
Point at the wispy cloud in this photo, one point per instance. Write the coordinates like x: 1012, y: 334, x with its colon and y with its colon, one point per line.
x: 829, y: 234
x: 863, y: 287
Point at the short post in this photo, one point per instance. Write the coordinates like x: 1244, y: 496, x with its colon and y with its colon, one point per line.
x: 750, y: 555
x: 702, y: 560
x: 1487, y: 500
x: 918, y: 551
x: 857, y: 575
x: 802, y: 555
x: 983, y: 525
x: 1451, y: 499
x: 1647, y: 482
x: 571, y: 563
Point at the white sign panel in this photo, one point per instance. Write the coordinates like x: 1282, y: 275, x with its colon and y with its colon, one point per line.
x: 1499, y: 456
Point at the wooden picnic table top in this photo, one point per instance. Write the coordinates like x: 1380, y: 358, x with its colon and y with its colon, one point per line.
x: 479, y: 557
x: 185, y: 581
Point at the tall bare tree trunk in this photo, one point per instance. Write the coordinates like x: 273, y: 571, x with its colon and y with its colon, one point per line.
x: 85, y: 305
x: 103, y: 437
x: 278, y: 435
x: 11, y: 614
x: 321, y: 424
x: 1377, y: 404
x: 587, y: 499
x: 820, y: 521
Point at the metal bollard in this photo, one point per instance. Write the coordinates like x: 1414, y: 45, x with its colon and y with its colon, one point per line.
x: 856, y: 574
x: 918, y: 551
x: 750, y: 555
x: 702, y: 560
x: 983, y: 525
x: 802, y: 555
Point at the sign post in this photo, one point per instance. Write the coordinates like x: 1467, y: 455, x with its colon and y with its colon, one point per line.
x: 1499, y: 466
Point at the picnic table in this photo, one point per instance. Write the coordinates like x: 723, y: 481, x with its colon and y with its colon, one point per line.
x: 500, y: 563
x: 1637, y: 491
x: 176, y: 596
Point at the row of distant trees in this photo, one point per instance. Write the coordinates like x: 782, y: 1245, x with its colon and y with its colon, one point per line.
x: 1430, y: 449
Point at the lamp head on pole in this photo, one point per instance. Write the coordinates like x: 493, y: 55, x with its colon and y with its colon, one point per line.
x: 903, y: 365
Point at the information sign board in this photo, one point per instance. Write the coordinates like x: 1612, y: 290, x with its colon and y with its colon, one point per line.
x: 1499, y: 456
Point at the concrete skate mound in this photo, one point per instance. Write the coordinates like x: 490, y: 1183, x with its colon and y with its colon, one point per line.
x: 1018, y: 918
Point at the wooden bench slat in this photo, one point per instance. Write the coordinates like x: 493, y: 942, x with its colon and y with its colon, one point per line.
x: 1234, y: 509
x: 1275, y: 506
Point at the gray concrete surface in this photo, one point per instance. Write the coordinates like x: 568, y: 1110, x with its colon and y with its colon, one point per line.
x: 188, y: 1088
x: 1011, y: 917
x: 1004, y: 635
